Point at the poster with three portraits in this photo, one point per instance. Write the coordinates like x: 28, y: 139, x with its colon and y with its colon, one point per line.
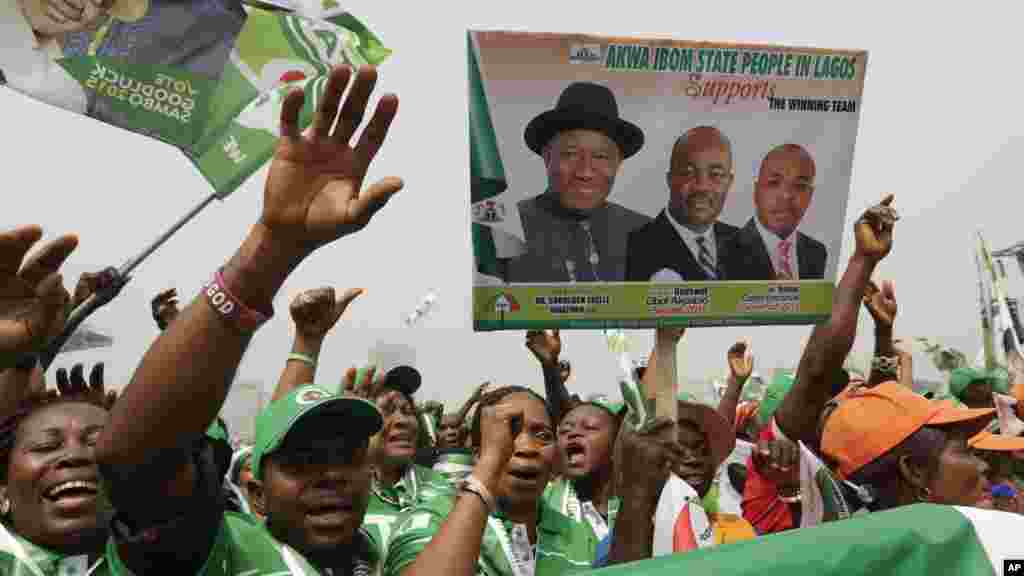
x: 633, y: 183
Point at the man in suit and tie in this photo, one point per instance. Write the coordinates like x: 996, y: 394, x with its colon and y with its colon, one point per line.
x: 770, y: 246
x: 573, y: 232
x: 686, y: 242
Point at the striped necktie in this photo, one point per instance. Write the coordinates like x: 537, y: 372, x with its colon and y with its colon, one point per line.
x: 704, y: 258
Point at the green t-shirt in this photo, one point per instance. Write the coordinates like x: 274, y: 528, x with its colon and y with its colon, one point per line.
x: 560, y: 495
x: 419, y: 484
x: 243, y: 545
x: 563, y: 546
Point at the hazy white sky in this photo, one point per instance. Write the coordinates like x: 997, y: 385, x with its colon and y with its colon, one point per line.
x: 940, y: 126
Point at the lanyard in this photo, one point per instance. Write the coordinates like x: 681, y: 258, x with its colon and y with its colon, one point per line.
x: 516, y: 547
x: 573, y: 508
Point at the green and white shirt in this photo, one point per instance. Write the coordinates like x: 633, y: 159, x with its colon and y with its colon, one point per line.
x: 560, y: 495
x: 563, y: 546
x: 245, y: 547
x: 19, y: 557
x: 387, y: 503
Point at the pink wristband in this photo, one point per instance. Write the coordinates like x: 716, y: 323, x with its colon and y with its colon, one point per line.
x: 231, y: 308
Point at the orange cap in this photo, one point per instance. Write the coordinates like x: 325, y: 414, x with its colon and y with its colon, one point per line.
x: 996, y: 442
x: 871, y: 421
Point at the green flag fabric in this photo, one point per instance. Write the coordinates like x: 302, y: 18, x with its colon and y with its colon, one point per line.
x: 491, y: 241
x: 913, y: 540
x: 275, y: 53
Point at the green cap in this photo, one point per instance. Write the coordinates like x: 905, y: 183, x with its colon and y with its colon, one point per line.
x: 961, y: 378
x: 357, y: 417
x: 781, y: 382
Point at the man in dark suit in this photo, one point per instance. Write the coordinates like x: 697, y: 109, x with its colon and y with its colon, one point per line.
x: 770, y: 246
x: 573, y: 232
x: 686, y: 242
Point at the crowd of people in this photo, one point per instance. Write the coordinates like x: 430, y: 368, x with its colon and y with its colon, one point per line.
x: 361, y: 478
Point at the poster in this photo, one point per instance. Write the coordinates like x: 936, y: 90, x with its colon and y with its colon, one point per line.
x: 631, y: 183
x: 200, y: 75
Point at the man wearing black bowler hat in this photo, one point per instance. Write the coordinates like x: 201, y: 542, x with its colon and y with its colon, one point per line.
x: 573, y: 233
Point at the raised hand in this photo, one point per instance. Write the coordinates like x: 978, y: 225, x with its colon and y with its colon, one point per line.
x: 643, y: 460
x: 779, y: 462
x: 498, y: 430
x: 76, y: 385
x: 365, y: 385
x: 741, y: 361
x: 881, y: 304
x: 164, y: 307
x: 873, y: 230
x: 49, y: 18
x: 91, y: 283
x: 33, y: 300
x: 312, y: 196
x: 545, y: 345
x: 316, y: 311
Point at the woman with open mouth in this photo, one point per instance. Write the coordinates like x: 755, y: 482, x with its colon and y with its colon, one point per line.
x: 499, y: 525
x: 586, y: 437
x: 53, y: 519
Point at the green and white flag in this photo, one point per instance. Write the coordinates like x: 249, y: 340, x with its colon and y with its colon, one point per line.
x: 275, y: 53
x: 918, y: 540
x: 200, y: 75
x: 495, y: 220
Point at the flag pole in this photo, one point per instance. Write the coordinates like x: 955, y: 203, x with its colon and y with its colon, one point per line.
x: 107, y: 293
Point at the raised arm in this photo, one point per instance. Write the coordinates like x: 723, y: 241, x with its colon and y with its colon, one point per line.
x: 831, y: 342
x: 546, y: 347
x: 315, y: 312
x: 164, y: 307
x: 312, y: 197
x: 741, y: 365
x: 881, y: 304
x: 643, y: 458
x: 33, y: 300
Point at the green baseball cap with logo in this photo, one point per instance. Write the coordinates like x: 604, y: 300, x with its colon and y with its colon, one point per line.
x: 355, y: 417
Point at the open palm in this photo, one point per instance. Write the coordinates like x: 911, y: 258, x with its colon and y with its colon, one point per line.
x: 32, y: 295
x: 312, y: 196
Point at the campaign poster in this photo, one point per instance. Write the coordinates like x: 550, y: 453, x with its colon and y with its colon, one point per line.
x: 634, y: 183
x: 200, y: 75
